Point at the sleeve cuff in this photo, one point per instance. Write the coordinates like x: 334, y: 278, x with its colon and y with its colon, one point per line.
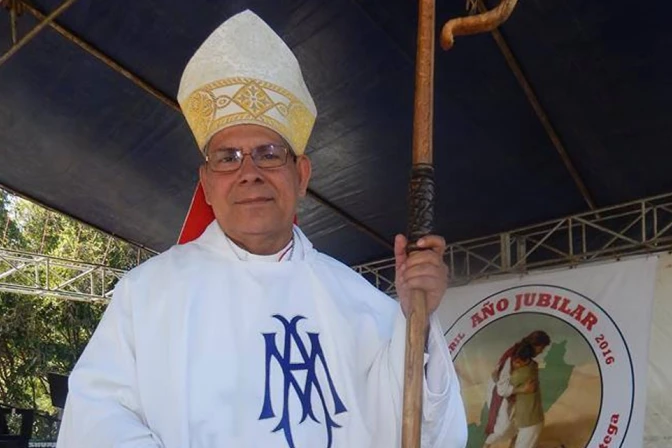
x: 438, y: 364
x: 437, y: 361
x: 398, y: 347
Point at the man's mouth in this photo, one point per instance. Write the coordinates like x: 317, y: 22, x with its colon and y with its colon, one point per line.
x: 255, y: 200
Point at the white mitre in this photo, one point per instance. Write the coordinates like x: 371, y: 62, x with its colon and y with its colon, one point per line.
x: 245, y: 74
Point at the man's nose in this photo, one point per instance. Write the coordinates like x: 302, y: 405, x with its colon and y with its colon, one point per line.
x: 249, y: 172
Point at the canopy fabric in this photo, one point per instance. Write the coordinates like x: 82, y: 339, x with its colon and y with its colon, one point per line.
x: 81, y: 138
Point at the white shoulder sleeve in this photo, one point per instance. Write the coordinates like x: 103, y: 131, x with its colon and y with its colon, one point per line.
x: 102, y: 407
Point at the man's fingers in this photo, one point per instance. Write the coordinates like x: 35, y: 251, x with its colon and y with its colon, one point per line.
x: 424, y: 283
x: 424, y: 257
x: 400, y: 250
x: 423, y: 269
x: 435, y: 243
x: 399, y: 244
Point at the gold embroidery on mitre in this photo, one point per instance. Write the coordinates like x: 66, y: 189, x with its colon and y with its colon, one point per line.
x: 223, y: 101
x: 253, y: 99
x: 199, y: 112
x: 282, y: 108
x: 246, y: 118
x: 301, y: 122
x: 203, y: 106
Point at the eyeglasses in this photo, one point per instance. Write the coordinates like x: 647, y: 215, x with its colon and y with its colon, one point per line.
x: 226, y: 160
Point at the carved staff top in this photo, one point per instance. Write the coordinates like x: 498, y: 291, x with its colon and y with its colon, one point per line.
x: 481, y: 23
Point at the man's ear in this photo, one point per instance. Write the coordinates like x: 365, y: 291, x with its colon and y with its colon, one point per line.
x: 203, y: 175
x: 304, y: 168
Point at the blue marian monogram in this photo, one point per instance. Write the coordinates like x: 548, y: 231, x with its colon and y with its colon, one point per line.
x: 308, y: 363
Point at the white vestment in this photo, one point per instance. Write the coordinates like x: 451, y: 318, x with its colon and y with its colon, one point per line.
x: 199, y: 349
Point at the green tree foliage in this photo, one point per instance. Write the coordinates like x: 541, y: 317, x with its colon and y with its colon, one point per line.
x: 42, y: 334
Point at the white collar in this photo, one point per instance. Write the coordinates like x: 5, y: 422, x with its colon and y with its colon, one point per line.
x: 214, y: 238
x: 285, y: 254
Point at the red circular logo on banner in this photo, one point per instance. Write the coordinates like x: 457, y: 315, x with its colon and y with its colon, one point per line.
x: 545, y: 365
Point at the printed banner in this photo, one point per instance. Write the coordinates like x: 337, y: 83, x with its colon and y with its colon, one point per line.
x: 554, y: 360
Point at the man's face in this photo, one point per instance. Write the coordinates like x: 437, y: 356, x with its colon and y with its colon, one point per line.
x: 252, y: 200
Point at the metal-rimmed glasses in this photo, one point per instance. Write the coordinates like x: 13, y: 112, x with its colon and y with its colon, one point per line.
x: 268, y: 156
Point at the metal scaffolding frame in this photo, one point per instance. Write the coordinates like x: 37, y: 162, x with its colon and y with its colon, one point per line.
x: 41, y: 275
x: 637, y: 227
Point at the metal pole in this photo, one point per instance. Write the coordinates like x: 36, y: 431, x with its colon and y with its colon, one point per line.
x: 539, y: 111
x: 505, y: 250
x: 12, y: 24
x: 28, y: 37
x: 106, y: 60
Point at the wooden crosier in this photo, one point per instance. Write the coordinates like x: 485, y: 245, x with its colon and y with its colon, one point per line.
x: 421, y: 195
